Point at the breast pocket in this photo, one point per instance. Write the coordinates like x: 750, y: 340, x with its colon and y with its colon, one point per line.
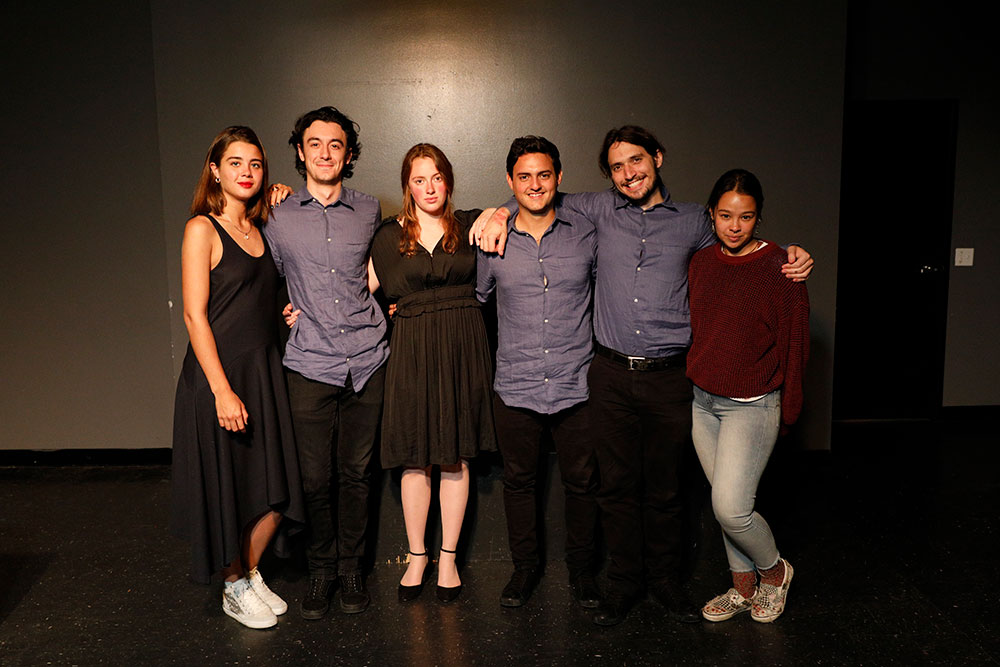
x: 353, y: 258
x: 569, y: 273
x: 667, y: 266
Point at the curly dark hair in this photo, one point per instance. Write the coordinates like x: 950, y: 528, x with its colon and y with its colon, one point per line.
x: 328, y: 115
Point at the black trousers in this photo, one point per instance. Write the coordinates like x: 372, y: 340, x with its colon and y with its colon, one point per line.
x: 642, y: 425
x: 335, y: 429
x: 520, y: 434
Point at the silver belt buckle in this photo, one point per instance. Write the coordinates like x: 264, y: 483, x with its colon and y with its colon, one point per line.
x: 636, y: 363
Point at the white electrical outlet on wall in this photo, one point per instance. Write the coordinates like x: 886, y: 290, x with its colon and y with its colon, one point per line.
x: 963, y: 256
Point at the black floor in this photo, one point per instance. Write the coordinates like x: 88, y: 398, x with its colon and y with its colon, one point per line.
x: 891, y: 537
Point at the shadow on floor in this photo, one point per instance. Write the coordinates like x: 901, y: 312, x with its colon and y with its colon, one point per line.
x: 21, y: 572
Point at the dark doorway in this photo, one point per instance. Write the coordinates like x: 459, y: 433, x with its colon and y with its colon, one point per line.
x: 895, y: 239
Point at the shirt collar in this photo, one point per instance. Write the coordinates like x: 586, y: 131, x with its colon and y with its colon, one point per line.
x: 511, y: 228
x: 624, y: 201
x: 559, y: 218
x: 346, y: 197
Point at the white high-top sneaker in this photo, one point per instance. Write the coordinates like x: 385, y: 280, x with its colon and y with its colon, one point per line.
x: 277, y: 605
x: 239, y: 601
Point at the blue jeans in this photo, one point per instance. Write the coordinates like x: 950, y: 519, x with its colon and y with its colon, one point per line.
x: 734, y: 440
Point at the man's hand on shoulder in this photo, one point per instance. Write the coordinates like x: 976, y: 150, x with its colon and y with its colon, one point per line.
x: 800, y: 264
x: 489, y: 231
x: 477, y: 227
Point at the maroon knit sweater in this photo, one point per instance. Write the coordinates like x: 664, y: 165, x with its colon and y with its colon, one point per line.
x: 750, y: 326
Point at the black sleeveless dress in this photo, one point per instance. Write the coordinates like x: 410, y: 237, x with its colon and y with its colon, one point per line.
x: 438, y: 406
x: 222, y: 480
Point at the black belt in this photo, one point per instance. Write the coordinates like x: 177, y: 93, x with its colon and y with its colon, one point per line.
x: 641, y: 363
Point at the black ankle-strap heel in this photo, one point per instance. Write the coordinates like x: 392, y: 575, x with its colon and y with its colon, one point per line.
x: 411, y: 593
x: 448, y: 595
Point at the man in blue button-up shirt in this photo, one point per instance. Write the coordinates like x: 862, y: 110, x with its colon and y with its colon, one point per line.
x: 543, y: 287
x: 640, y: 397
x: 336, y: 351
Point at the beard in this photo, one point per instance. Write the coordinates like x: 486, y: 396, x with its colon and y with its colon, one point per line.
x: 642, y: 198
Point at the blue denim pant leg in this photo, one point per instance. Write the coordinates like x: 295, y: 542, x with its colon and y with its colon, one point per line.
x: 734, y: 440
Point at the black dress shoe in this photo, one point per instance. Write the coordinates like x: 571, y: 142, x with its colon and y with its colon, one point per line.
x: 317, y: 601
x: 613, y: 609
x: 409, y: 593
x: 520, y: 587
x: 448, y: 594
x: 354, y: 597
x: 585, y: 591
x: 675, y: 600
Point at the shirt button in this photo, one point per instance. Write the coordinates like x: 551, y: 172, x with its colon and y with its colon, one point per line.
x: 342, y: 331
x: 546, y: 320
x: 546, y: 351
x: 546, y: 379
x: 637, y: 331
x: 644, y: 240
x: 336, y: 300
x: 635, y: 300
x: 546, y: 289
x: 638, y: 268
x: 328, y: 240
x: 333, y: 270
x: 540, y: 259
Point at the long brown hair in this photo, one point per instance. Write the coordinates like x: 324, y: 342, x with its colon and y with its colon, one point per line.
x: 408, y: 216
x: 208, y: 197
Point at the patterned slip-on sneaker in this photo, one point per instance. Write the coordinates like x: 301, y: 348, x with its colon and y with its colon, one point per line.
x: 724, y: 607
x: 769, y: 603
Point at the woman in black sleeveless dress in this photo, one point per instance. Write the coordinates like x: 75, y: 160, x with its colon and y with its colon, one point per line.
x: 438, y: 400
x: 235, y: 469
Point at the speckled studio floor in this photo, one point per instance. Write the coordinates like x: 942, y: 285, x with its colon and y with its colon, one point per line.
x: 890, y: 537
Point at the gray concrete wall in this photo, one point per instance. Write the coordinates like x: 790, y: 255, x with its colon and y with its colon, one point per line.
x: 721, y: 84
x: 86, y: 341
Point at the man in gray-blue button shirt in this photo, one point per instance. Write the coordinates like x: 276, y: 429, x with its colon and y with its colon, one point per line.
x: 543, y: 285
x: 320, y: 238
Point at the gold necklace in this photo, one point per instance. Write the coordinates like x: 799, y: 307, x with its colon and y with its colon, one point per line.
x: 727, y: 251
x: 246, y: 234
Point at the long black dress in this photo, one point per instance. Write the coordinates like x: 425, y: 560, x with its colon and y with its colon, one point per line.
x: 438, y: 398
x: 223, y: 480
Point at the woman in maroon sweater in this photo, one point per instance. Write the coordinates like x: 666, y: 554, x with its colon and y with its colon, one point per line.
x: 750, y: 326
